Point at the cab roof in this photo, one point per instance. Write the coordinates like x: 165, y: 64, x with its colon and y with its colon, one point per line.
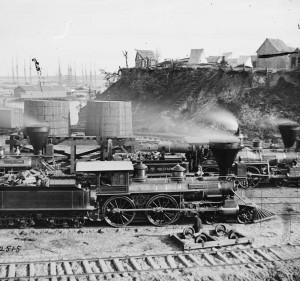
x: 103, y: 166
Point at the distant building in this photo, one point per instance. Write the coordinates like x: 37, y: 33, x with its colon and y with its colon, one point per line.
x: 197, y: 57
x: 274, y: 47
x: 245, y: 61
x: 295, y: 59
x: 34, y: 92
x: 144, y: 58
x: 214, y: 59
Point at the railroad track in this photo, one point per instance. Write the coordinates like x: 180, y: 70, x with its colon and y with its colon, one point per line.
x: 93, y: 269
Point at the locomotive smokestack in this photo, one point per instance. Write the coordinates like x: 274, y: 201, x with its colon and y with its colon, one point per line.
x: 38, y: 137
x: 224, y: 153
x: 289, y: 132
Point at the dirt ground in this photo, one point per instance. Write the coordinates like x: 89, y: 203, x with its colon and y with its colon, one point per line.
x: 99, y: 240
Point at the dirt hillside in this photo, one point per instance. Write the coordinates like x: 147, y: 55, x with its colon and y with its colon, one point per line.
x: 168, y: 100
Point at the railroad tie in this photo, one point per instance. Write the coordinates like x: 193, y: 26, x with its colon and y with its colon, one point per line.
x: 264, y: 255
x: 209, y: 258
x: 241, y: 259
x: 171, y: 261
x: 253, y: 258
x: 103, y: 266
x: 275, y: 253
x: 31, y: 271
x: 12, y: 271
x: 195, y: 260
x: 184, y: 261
x: 89, y: 271
x: 119, y: 266
x: 69, y: 271
x: 223, y: 258
x: 134, y: 264
x: 53, y: 271
x: 152, y: 263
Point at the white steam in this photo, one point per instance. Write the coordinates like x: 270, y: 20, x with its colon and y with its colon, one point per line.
x: 224, y: 117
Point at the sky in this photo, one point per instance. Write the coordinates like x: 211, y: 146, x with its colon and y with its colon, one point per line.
x: 93, y: 33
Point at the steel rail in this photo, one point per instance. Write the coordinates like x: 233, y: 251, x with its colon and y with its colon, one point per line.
x: 172, y: 261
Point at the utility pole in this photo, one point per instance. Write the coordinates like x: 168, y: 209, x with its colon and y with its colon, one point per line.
x: 12, y: 69
x: 30, y: 80
x: 25, y: 72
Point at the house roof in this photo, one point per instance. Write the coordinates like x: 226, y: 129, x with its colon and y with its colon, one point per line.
x: 278, y: 45
x: 28, y: 88
x: 146, y: 54
x: 101, y: 166
x: 44, y: 87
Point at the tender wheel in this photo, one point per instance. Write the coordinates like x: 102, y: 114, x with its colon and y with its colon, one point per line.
x: 279, y: 182
x: 253, y: 181
x: 232, y: 235
x: 160, y: 217
x: 112, y: 214
x: 245, y: 216
x: 188, y: 232
x: 220, y: 229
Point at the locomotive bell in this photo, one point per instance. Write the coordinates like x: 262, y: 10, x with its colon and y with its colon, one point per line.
x: 38, y: 137
x: 289, y: 132
x: 140, y: 172
x: 177, y: 173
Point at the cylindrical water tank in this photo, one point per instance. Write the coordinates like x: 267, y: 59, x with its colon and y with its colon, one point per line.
x: 52, y: 113
x: 108, y: 118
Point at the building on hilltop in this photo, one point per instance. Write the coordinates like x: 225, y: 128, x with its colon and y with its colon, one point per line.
x: 214, y: 59
x: 34, y: 92
x: 197, y: 57
x: 279, y: 54
x: 145, y: 58
x: 295, y: 59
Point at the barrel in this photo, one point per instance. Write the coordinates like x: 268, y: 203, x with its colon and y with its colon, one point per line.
x: 52, y: 113
x: 108, y: 119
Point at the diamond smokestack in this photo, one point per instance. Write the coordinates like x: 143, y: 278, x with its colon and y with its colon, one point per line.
x: 38, y: 137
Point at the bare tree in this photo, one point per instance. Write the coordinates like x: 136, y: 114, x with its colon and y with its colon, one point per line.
x: 125, y: 53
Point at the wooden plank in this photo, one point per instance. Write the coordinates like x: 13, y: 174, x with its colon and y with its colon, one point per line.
x: 209, y: 259
x: 103, y: 266
x: 171, y: 261
x: 11, y: 270
x: 53, y: 271
x: 251, y: 256
x: 31, y: 271
x: 264, y: 255
x: 88, y: 270
x: 152, y: 263
x: 223, y: 258
x: 275, y: 253
x: 118, y: 265
x: 69, y: 270
x: 135, y: 264
x: 195, y: 260
x: 241, y: 259
x: 184, y: 261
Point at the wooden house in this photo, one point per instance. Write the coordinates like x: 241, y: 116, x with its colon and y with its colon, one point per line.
x: 145, y: 58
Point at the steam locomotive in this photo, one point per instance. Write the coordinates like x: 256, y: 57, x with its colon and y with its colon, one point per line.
x: 108, y: 190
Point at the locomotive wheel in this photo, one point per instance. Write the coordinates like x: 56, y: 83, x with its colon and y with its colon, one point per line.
x: 253, y: 181
x: 201, y: 239
x: 162, y: 217
x: 232, y: 235
x: 117, y: 218
x: 245, y: 216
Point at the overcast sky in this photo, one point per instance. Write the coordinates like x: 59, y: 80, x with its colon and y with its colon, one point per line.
x: 95, y: 32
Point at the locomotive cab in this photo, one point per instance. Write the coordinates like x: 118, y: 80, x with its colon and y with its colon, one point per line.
x: 111, y: 176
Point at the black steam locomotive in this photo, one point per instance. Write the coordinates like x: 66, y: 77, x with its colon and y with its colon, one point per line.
x: 117, y: 191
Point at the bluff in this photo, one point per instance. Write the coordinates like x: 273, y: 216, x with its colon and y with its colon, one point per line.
x: 183, y: 100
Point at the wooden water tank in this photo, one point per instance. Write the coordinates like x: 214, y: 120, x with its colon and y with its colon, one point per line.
x: 108, y: 118
x: 53, y: 113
